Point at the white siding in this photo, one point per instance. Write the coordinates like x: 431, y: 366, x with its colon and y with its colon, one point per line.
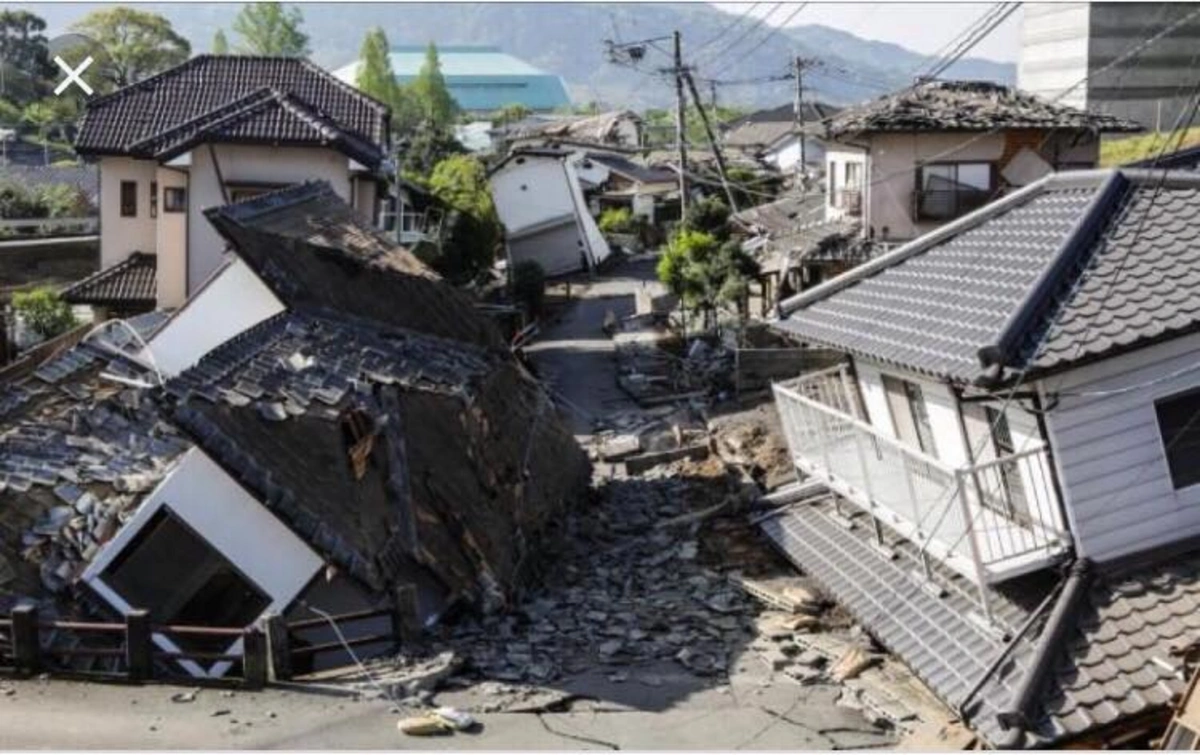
x: 233, y: 522
x: 230, y: 303
x: 939, y: 403
x: 120, y: 236
x: 1118, y: 490
x: 531, y: 192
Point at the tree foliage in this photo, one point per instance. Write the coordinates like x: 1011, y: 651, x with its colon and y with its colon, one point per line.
x: 220, y: 45
x: 137, y: 44
x: 269, y: 28
x: 43, y: 311
x: 27, y: 69
x: 375, y: 74
x: 437, y: 108
x: 708, y: 215
x: 705, y: 272
x: 471, y: 231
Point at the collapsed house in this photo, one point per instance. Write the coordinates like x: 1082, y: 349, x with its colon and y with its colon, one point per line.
x: 369, y: 444
x: 538, y: 195
x: 1003, y: 477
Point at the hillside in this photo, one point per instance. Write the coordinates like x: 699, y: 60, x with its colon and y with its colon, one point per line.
x: 568, y: 39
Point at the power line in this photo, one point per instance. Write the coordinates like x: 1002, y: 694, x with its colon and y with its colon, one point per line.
x: 772, y: 32
x: 744, y: 34
x: 727, y: 28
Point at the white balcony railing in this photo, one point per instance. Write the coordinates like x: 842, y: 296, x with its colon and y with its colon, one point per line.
x: 988, y: 522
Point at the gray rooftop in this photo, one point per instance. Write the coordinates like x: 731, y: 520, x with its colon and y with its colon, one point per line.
x: 1073, y: 268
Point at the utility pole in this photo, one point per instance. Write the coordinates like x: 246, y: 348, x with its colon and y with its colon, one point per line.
x: 680, y: 123
x: 799, y: 64
x: 712, y: 142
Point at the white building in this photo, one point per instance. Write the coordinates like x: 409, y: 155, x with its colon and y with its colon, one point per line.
x: 1096, y: 57
x: 539, y: 198
x: 214, y: 130
x: 1021, y: 394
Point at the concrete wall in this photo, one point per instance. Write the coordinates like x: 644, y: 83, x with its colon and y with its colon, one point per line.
x: 252, y: 165
x: 1112, y: 461
x: 234, y: 300
x: 1061, y: 44
x: 121, y: 236
x: 233, y: 522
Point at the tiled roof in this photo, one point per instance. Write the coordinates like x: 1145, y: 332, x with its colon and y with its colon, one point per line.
x: 128, y: 121
x: 965, y: 106
x: 1113, y: 661
x: 317, y: 254
x: 757, y: 137
x: 129, y: 283
x: 1106, y: 257
x: 447, y: 490
x: 265, y: 116
x: 942, y: 639
x: 602, y: 128
x: 77, y: 452
x: 631, y: 170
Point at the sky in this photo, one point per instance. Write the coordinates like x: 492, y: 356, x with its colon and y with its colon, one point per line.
x: 924, y: 27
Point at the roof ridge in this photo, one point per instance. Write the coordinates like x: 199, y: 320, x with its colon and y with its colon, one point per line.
x: 233, y: 106
x: 146, y: 83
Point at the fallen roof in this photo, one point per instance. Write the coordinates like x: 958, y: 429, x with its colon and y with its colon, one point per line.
x: 129, y: 283
x: 207, y: 87
x: 78, y: 449
x: 965, y: 106
x: 633, y: 171
x: 602, y: 128
x: 468, y: 458
x: 1076, y: 267
x: 315, y: 253
x: 1099, y: 648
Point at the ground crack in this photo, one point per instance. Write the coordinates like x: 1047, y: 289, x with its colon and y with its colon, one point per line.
x: 576, y: 737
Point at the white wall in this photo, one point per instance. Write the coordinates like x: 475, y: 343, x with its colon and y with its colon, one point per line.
x: 597, y: 245
x: 171, y: 243
x: 119, y: 236
x: 786, y: 155
x: 221, y: 511
x: 1113, y: 466
x: 1054, y: 51
x: 232, y: 301
x: 836, y: 157
x: 530, y: 190
x: 240, y: 163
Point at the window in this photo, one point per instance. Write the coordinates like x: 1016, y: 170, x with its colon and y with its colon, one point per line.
x: 173, y: 573
x: 1180, y: 738
x: 154, y: 199
x: 947, y: 190
x: 1179, y: 429
x: 1014, y: 504
x: 833, y: 184
x: 129, y: 199
x: 853, y: 176
x: 249, y: 191
x: 174, y: 199
x: 909, y: 413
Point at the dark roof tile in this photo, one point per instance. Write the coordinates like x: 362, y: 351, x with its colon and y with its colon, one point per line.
x: 129, y: 283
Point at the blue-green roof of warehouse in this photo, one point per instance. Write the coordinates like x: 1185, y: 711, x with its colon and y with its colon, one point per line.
x: 479, y: 77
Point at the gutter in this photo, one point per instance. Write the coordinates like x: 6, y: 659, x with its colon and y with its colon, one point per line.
x: 1039, y: 296
x: 1016, y: 717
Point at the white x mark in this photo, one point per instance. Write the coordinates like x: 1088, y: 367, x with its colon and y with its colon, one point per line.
x: 73, y: 75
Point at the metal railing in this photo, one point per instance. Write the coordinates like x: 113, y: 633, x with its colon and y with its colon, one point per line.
x: 988, y: 522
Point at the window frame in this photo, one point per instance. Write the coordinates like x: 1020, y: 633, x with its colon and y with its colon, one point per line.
x: 153, y: 199
x: 906, y: 391
x: 957, y: 165
x: 128, y: 210
x: 168, y: 206
x: 1162, y: 441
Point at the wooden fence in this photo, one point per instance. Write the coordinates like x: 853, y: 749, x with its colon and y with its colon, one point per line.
x: 268, y: 651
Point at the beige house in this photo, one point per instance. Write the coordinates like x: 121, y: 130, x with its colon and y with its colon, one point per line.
x: 214, y: 130
x: 907, y: 163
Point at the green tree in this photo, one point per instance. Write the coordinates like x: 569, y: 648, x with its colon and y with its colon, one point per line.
x: 220, y: 45
x: 438, y: 108
x: 512, y: 113
x: 138, y: 44
x: 706, y: 273
x: 375, y: 74
x: 26, y: 68
x: 471, y: 232
x: 42, y: 116
x: 271, y: 29
x: 44, y: 311
x: 708, y: 215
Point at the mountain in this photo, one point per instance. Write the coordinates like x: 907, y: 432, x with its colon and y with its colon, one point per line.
x: 569, y: 39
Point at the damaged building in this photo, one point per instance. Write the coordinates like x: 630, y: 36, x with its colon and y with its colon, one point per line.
x: 370, y: 444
